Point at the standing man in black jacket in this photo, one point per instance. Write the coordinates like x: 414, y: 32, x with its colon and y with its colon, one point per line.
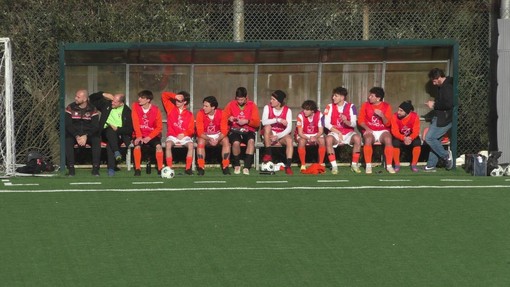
x: 82, y: 127
x: 116, y: 124
x: 442, y: 120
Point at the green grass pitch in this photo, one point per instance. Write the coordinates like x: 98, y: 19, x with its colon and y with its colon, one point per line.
x: 442, y: 229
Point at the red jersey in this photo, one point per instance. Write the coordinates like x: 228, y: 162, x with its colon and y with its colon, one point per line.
x: 177, y: 121
x: 208, y: 126
x: 349, y: 111
x: 146, y: 123
x: 309, y: 127
x: 373, y: 121
x: 249, y: 111
x: 278, y: 127
x: 408, y: 126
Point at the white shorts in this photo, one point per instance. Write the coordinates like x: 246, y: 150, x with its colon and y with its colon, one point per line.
x: 378, y: 134
x: 177, y: 141
x: 345, y: 140
x: 214, y: 136
x: 307, y: 135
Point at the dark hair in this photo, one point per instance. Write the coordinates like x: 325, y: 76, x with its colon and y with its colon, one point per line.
x: 241, y: 92
x: 436, y: 73
x: 146, y: 94
x: 186, y: 96
x: 340, y: 90
x: 309, y: 105
x: 378, y: 92
x: 212, y: 101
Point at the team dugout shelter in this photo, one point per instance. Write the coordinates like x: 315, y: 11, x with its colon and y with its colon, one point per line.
x: 302, y: 69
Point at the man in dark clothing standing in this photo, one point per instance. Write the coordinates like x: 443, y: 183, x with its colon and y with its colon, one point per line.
x: 442, y: 120
x: 115, y: 123
x: 82, y: 127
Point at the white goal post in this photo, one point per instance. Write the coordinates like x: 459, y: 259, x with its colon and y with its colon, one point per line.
x: 7, y: 139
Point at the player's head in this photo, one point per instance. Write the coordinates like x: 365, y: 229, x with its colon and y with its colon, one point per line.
x: 241, y: 96
x: 404, y: 109
x: 213, y: 102
x: 146, y: 94
x: 437, y: 76
x: 377, y: 93
x: 309, y: 105
x: 184, y: 97
x: 339, y: 94
x: 278, y: 96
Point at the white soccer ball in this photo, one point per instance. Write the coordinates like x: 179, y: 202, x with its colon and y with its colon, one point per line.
x: 498, y: 171
x: 267, y: 166
x: 167, y: 172
x: 507, y: 170
x: 461, y: 160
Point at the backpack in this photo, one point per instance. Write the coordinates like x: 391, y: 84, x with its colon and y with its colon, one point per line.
x: 36, y: 164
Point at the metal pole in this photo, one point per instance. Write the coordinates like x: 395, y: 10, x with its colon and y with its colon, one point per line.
x: 238, y: 21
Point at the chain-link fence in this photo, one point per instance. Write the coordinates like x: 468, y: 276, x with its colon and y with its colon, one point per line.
x: 38, y: 27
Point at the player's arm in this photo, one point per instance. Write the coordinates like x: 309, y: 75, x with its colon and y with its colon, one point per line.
x: 394, y: 128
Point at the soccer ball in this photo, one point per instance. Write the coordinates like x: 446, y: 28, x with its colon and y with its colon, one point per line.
x: 267, y: 166
x: 507, y: 170
x: 167, y: 172
x: 499, y: 171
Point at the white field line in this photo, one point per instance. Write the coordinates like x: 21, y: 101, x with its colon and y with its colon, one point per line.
x: 289, y: 188
x: 271, y: 181
x: 394, y: 180
x: 210, y: 181
x: 19, y: 184
x: 85, y: 183
x: 147, y: 182
x: 455, y: 179
x: 332, y: 180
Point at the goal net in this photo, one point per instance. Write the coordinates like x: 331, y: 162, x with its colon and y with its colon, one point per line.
x: 7, y: 142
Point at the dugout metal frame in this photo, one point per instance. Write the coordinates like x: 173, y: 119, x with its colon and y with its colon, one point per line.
x: 192, y: 54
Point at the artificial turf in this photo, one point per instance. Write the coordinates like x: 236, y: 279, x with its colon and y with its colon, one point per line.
x: 228, y: 236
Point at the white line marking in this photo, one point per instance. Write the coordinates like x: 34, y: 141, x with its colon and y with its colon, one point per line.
x: 5, y: 180
x: 210, y: 181
x: 84, y: 183
x: 507, y: 179
x: 19, y: 184
x: 332, y: 180
x: 285, y: 188
x: 391, y: 180
x: 147, y: 182
x: 272, y: 181
x: 453, y: 179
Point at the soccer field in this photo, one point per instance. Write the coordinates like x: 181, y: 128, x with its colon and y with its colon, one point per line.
x: 443, y: 229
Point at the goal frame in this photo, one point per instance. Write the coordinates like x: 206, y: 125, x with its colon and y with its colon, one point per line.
x: 7, y: 146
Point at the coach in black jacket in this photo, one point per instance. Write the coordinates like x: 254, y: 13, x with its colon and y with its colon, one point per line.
x: 82, y: 127
x: 116, y: 124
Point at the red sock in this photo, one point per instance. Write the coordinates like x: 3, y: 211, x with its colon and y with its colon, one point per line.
x: 331, y: 157
x: 159, y: 159
x: 396, y: 155
x: 416, y: 155
x: 201, y: 162
x: 302, y: 155
x: 388, y: 153
x: 189, y: 161
x: 355, y: 157
x: 169, y: 162
x: 322, y: 153
x: 137, y: 154
x: 225, y: 163
x: 367, y: 153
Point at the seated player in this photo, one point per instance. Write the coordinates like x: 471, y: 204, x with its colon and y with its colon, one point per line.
x: 309, y: 131
x: 405, y: 128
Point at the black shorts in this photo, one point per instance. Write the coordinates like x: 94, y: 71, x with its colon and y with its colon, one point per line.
x: 152, y: 143
x: 241, y: 137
